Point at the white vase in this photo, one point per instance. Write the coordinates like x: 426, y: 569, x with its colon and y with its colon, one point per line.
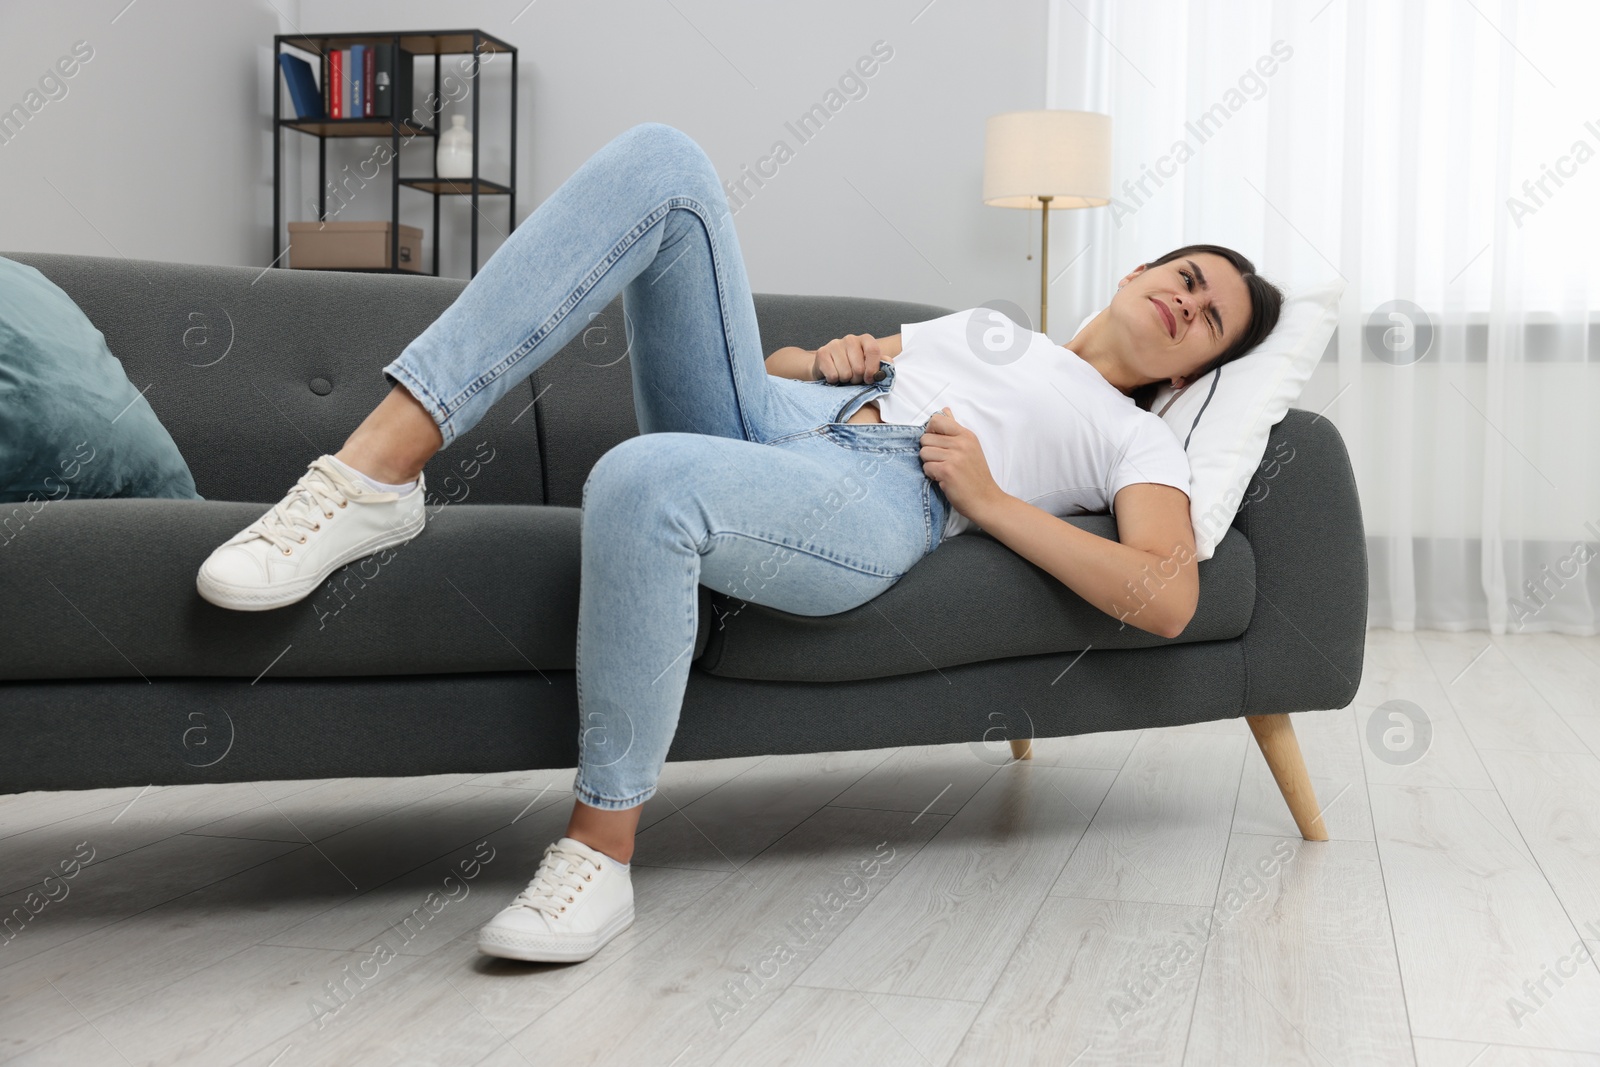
x: 454, y: 158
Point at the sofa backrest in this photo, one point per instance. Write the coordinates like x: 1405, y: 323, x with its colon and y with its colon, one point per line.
x: 255, y: 373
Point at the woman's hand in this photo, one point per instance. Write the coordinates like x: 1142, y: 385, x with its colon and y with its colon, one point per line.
x: 851, y: 358
x: 952, y: 456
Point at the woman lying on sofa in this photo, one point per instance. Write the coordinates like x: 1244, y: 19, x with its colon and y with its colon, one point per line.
x: 808, y: 481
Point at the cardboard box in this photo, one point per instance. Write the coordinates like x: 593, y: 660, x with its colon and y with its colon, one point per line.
x: 345, y: 245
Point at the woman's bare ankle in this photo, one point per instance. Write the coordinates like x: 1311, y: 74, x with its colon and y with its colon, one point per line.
x: 620, y: 853
x: 376, y: 465
x: 395, y: 441
x: 605, y: 830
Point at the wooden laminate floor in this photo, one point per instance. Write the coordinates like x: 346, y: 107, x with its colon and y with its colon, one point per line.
x: 1135, y: 898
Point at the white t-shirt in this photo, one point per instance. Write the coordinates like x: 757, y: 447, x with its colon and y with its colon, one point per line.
x: 1055, y: 433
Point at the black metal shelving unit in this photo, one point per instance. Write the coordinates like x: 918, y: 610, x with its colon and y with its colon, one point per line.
x: 437, y: 43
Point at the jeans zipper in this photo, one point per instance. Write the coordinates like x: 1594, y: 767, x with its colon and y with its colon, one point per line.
x: 845, y: 406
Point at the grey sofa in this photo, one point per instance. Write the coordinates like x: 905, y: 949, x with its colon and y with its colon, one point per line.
x: 457, y: 654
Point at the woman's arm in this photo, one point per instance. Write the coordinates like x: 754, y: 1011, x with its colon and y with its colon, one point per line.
x: 844, y: 358
x: 1149, y: 578
x: 791, y: 362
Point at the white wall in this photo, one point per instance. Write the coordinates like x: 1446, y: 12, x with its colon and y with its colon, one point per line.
x: 157, y: 147
x: 164, y: 139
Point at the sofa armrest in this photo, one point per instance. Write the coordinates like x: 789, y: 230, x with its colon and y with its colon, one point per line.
x: 1304, y: 646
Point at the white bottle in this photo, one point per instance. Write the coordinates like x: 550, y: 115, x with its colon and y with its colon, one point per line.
x: 454, y: 158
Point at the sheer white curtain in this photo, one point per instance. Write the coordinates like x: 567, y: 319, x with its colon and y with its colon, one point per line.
x: 1444, y: 153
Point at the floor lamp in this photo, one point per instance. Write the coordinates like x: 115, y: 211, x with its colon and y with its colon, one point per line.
x: 1046, y: 160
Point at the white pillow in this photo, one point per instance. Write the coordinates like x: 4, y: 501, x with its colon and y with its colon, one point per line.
x: 1224, y: 417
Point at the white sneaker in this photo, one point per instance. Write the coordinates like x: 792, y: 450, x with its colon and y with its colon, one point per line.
x: 283, y: 556
x: 578, y: 900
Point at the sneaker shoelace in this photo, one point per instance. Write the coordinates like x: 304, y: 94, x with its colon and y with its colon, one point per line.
x: 323, y: 487
x: 556, y: 884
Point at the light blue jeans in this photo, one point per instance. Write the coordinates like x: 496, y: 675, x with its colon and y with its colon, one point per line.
x: 748, y: 483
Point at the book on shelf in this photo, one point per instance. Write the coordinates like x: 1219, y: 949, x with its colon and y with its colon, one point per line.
x: 297, y: 74
x: 353, y: 58
x: 333, y: 82
x: 391, y: 82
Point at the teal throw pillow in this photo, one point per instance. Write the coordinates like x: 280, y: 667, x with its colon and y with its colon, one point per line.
x: 71, y: 423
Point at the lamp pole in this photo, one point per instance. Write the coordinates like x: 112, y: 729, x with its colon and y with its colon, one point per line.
x: 1044, y: 265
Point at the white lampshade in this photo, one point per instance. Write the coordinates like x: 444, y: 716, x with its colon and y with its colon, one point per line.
x: 1065, y: 155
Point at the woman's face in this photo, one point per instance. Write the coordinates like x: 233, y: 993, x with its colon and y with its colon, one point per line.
x: 1178, y: 316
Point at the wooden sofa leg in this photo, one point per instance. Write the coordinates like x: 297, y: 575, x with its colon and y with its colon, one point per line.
x: 1275, y: 736
x: 1022, y: 748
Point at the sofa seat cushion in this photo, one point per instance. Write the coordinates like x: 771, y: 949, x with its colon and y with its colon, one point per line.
x: 973, y: 599
x: 109, y: 590
x: 106, y: 589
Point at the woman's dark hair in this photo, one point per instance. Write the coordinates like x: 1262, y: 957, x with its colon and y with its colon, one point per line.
x: 1266, y: 300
